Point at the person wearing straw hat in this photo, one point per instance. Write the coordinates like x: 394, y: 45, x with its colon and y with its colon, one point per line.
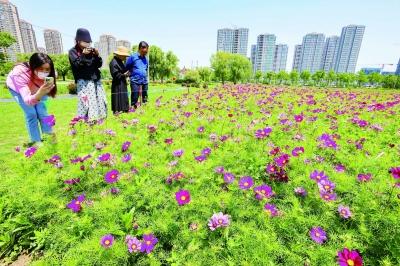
x: 119, y: 86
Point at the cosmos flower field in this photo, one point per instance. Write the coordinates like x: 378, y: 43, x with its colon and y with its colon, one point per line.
x: 234, y: 175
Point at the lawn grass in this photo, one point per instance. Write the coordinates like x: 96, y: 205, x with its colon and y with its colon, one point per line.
x: 357, y: 130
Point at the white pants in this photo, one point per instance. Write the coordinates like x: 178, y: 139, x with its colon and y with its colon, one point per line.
x: 92, y: 99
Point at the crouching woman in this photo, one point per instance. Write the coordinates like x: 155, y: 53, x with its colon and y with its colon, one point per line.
x: 27, y: 85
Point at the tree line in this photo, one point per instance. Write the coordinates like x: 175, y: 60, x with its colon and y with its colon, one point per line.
x: 225, y: 67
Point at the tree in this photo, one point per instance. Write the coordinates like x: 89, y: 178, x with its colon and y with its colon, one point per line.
x: 282, y: 77
x: 239, y: 68
x: 318, y: 76
x: 390, y: 81
x: 269, y: 77
x: 374, y: 79
x: 156, y: 58
x: 61, y: 64
x: 361, y: 78
x: 169, y: 66
x: 330, y: 77
x: 220, y: 65
x: 192, y: 77
x: 305, y: 76
x: 258, y: 76
x: 24, y: 57
x: 6, y: 40
x: 294, y: 77
x: 205, y: 74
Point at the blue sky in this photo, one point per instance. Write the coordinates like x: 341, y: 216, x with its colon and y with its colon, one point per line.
x: 189, y: 28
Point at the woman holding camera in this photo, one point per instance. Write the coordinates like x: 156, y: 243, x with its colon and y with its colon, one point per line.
x: 29, y: 83
x: 85, y: 63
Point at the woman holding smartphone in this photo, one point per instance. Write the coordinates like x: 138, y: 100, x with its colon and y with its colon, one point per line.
x: 26, y: 83
x: 85, y: 63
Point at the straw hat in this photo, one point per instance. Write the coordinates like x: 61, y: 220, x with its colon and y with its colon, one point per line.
x: 121, y: 50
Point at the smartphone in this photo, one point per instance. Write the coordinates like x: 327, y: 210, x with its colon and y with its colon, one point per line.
x: 49, y: 80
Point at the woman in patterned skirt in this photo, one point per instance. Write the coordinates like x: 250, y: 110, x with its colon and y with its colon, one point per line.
x: 85, y: 63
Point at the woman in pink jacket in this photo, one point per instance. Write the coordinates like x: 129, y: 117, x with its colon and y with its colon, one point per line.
x: 27, y: 85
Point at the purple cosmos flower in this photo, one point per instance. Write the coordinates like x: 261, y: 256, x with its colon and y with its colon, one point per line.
x: 395, y: 171
x: 326, y: 185
x: 107, y: 241
x: 318, y: 176
x: 263, y: 191
x: 105, y: 157
x: 271, y: 210
x: 114, y: 190
x: 300, y: 191
x: 327, y: 196
x: 223, y: 138
x: 206, y: 151
x: 110, y: 132
x: 75, y: 204
x: 133, y: 244
x: 246, y: 182
x: 348, y: 257
x: 125, y: 146
x: 299, y: 118
x: 200, y: 129
x: 111, y: 176
x: 340, y: 168
x: 72, y: 181
x: 126, y: 158
x: 274, y: 151
x: 182, y: 197
x: 228, y: 177
x: 29, y: 152
x: 297, y: 151
x: 168, y: 141
x: 282, y: 160
x: 151, y: 128
x: 364, y: 177
x: 49, y: 120
x: 263, y: 133
x: 218, y: 220
x: 327, y: 141
x: 149, y: 241
x: 318, y: 235
x: 200, y: 158
x: 219, y: 169
x: 177, y: 153
x: 270, y: 169
x: 344, y: 211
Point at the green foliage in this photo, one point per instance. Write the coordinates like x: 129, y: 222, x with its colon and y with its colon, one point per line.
x: 6, y: 39
x: 205, y: 74
x: 294, y: 77
x: 33, y: 195
x: 269, y: 77
x: 305, y: 76
x: 162, y: 65
x: 61, y: 64
x: 231, y: 67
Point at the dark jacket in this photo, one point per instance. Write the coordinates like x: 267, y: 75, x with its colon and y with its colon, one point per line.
x: 84, y: 66
x: 119, y: 88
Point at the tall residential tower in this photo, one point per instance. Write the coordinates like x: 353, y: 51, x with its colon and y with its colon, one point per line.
x: 233, y: 40
x: 349, y: 48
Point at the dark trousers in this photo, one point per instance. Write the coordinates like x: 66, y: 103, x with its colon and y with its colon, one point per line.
x: 135, y: 93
